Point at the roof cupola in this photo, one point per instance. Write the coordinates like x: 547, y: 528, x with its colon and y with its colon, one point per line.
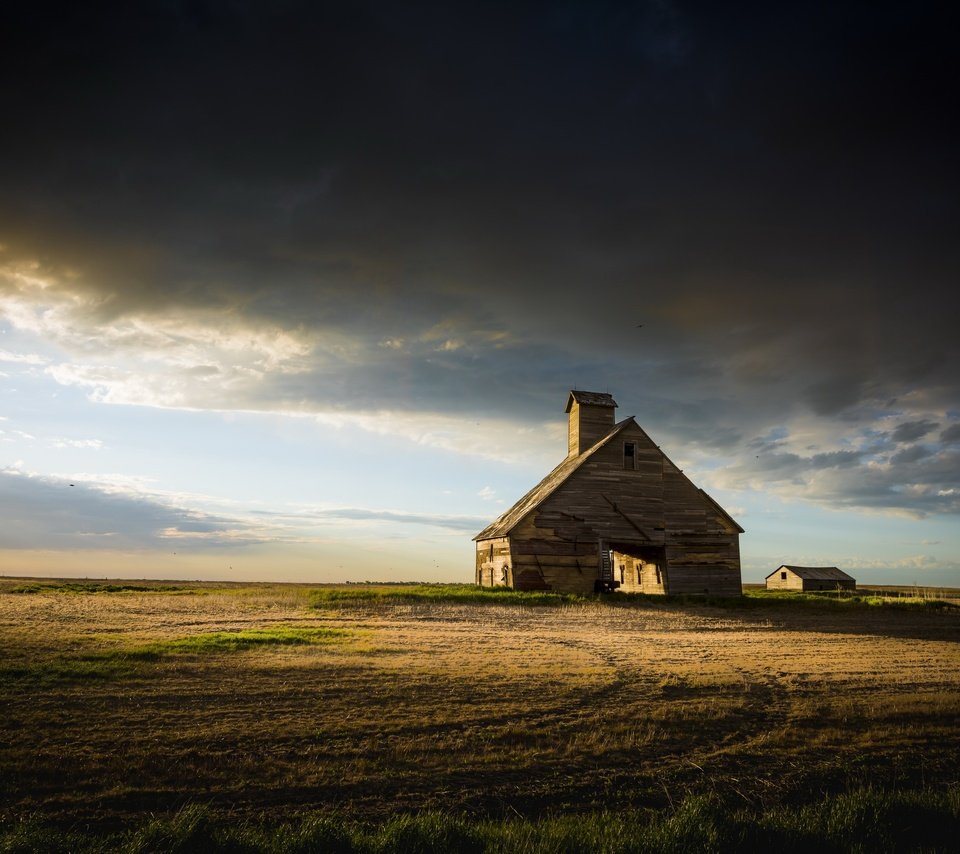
x: 591, y: 417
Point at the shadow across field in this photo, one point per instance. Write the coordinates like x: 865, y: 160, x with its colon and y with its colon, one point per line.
x: 349, y: 704
x: 869, y: 613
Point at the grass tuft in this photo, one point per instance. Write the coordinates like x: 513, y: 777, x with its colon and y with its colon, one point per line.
x: 429, y: 833
x: 193, y: 829
x: 87, y: 587
x: 861, y: 820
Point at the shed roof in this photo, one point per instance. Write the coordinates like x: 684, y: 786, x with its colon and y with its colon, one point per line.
x: 502, y: 526
x: 590, y: 398
x: 817, y: 573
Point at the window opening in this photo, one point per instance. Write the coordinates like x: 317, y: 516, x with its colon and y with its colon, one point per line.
x: 783, y: 576
x: 629, y: 455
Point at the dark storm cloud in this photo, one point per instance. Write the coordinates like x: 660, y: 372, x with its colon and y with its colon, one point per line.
x: 918, y: 480
x: 488, y: 199
x: 911, y: 454
x: 910, y: 431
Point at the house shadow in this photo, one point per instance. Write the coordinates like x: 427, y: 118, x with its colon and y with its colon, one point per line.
x: 933, y: 620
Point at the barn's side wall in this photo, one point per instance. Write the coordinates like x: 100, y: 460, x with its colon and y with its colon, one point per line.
x: 568, y: 565
x: 791, y: 582
x: 703, y: 580
x: 651, y: 506
x: 703, y: 548
x: 493, y: 563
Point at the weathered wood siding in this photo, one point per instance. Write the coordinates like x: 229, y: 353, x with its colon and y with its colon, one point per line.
x: 652, y: 505
x: 703, y: 580
x: 493, y: 563
x: 566, y: 565
x: 784, y: 579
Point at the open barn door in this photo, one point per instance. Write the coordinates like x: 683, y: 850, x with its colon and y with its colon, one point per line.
x: 639, y: 568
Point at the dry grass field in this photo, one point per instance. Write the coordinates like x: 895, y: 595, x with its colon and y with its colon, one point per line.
x: 265, y: 702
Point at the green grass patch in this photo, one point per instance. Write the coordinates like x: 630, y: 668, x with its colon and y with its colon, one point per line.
x: 760, y: 599
x: 469, y: 594
x: 849, y: 598
x: 92, y: 587
x: 863, y: 820
x: 457, y: 594
x: 218, y: 642
x: 129, y: 660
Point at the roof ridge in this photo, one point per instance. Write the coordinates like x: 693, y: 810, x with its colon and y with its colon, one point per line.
x: 530, y: 500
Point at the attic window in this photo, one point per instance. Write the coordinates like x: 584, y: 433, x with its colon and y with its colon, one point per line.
x: 783, y: 576
x: 629, y: 455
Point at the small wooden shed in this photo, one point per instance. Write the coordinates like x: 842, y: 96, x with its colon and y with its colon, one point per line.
x: 616, y: 514
x: 810, y: 578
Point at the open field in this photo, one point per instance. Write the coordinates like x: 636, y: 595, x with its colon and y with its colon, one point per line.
x: 270, y: 703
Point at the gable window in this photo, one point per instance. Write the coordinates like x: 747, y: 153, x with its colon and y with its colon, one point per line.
x: 629, y: 455
x: 783, y: 576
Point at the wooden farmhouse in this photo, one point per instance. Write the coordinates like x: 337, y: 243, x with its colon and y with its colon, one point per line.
x: 810, y: 578
x: 616, y: 514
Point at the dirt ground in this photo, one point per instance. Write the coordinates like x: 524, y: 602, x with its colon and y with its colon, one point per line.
x: 483, y: 709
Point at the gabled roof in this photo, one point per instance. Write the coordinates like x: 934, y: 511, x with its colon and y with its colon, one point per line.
x: 722, y: 512
x: 506, y: 523
x: 816, y: 573
x: 590, y: 398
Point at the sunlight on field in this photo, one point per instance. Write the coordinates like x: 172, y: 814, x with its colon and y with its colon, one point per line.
x: 261, y: 699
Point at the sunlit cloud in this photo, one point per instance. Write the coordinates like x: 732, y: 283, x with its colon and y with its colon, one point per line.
x: 371, y: 516
x: 92, y: 444
x: 22, y: 358
x: 496, y: 439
